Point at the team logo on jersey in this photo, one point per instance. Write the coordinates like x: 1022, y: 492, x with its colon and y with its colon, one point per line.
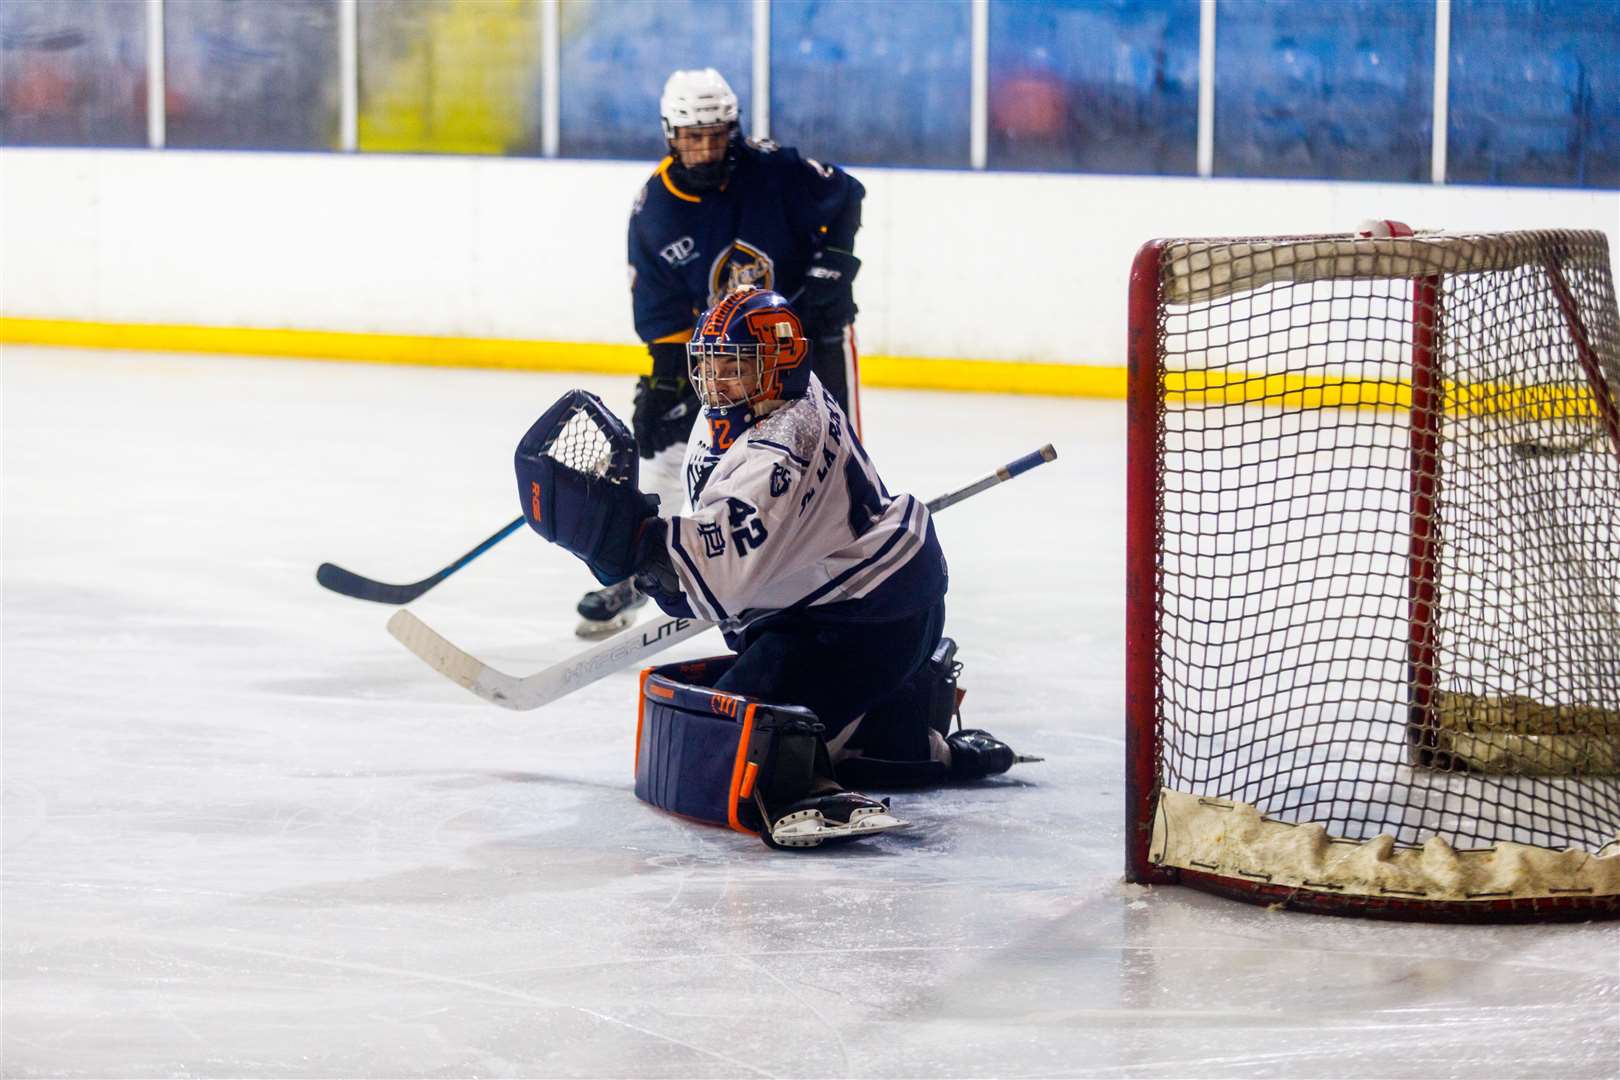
x: 714, y: 542
x: 697, y: 474
x: 781, y: 479
x: 740, y: 264
x: 680, y: 252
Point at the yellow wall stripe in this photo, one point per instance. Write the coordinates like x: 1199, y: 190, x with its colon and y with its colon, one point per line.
x: 983, y: 376
x: 1194, y: 388
x: 330, y: 345
x: 1547, y: 401
x: 994, y: 376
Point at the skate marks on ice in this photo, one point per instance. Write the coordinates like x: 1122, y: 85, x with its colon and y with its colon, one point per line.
x: 1159, y: 982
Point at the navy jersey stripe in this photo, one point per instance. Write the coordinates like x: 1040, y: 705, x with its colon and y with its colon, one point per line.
x: 899, y: 534
x: 872, y: 573
x: 697, y: 575
x: 801, y: 462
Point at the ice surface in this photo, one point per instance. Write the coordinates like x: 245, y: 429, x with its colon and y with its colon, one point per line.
x: 246, y: 834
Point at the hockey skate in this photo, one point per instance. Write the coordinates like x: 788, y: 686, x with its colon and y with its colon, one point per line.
x: 976, y: 754
x: 839, y: 816
x: 605, y: 612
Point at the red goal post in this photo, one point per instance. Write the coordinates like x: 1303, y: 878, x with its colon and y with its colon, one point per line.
x: 1373, y: 573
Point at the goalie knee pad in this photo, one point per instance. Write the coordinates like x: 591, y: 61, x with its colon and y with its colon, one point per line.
x: 724, y: 758
x: 901, y: 742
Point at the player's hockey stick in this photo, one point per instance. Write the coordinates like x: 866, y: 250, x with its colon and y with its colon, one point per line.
x: 620, y: 651
x: 349, y: 583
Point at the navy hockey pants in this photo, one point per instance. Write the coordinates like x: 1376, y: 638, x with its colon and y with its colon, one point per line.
x: 836, y: 669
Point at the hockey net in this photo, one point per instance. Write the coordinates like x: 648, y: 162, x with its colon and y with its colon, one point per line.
x: 1374, y: 573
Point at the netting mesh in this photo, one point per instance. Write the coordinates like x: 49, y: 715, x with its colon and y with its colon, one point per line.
x: 1389, y: 534
x: 585, y: 442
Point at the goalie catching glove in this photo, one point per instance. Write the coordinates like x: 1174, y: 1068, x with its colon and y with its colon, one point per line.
x: 577, y: 474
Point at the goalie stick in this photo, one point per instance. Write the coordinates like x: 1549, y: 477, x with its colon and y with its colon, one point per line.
x: 620, y: 651
x: 349, y: 583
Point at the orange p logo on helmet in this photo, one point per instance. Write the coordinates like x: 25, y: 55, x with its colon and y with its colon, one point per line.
x: 720, y: 315
x: 779, y: 330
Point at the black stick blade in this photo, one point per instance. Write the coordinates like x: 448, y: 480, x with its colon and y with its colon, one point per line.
x: 348, y: 583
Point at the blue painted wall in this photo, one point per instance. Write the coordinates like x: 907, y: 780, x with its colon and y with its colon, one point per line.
x: 1313, y: 89
x: 1341, y: 91
x: 1105, y: 86
x: 1535, y: 92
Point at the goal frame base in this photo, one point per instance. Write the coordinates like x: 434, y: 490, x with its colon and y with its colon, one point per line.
x: 1395, y: 909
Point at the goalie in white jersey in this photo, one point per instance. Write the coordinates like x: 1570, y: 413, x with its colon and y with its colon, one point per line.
x: 830, y: 589
x: 786, y: 516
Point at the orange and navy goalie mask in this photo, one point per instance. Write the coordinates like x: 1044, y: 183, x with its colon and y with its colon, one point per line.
x: 748, y: 349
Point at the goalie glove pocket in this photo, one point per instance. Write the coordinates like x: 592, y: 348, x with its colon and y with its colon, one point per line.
x: 596, y: 513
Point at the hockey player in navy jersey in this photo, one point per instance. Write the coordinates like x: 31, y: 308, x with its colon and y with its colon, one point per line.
x: 830, y: 589
x: 718, y: 213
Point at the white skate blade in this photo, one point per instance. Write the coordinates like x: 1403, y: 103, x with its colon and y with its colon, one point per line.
x: 808, y: 828
x: 594, y: 629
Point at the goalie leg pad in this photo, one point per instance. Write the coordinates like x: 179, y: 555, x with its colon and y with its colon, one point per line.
x: 732, y: 760
x: 723, y: 758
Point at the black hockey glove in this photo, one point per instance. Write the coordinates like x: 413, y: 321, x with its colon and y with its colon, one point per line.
x: 827, y: 304
x: 665, y: 409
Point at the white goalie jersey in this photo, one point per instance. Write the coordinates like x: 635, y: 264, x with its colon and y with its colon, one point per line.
x: 792, y: 515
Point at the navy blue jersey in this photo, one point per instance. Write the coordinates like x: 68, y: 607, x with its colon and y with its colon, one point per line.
x: 689, y: 249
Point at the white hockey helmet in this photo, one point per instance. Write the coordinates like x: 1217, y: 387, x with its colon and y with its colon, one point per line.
x: 696, y: 98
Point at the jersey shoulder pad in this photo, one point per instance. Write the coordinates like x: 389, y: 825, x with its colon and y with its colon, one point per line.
x: 763, y: 145
x: 647, y: 198
x: 655, y: 193
x: 824, y: 171
x: 787, y: 159
x: 793, y: 431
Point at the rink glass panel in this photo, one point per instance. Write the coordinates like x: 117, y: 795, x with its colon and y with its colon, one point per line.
x: 1094, y: 87
x: 72, y: 74
x: 450, y: 78
x: 872, y: 84
x: 1535, y: 93
x: 1327, y: 91
x: 1287, y: 674
x: 616, y: 55
x: 252, y: 76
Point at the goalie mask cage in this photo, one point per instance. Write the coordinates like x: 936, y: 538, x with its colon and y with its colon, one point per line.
x: 1373, y: 573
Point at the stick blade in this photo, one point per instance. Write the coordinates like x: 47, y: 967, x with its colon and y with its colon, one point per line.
x: 434, y: 650
x: 462, y: 669
x: 348, y: 583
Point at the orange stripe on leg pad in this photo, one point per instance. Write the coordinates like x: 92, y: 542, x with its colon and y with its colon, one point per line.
x: 737, y: 771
